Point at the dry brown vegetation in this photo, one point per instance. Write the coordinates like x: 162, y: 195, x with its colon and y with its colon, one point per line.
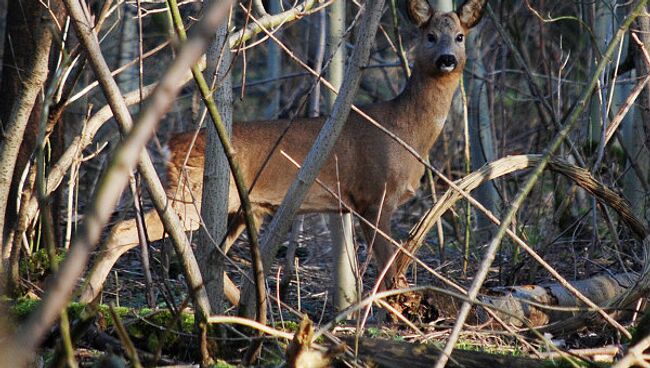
x: 554, y: 96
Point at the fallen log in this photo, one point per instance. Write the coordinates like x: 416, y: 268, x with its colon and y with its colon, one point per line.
x: 515, y: 300
x: 389, y: 353
x: 525, y: 306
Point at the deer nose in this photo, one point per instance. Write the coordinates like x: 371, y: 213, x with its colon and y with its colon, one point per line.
x: 446, y: 63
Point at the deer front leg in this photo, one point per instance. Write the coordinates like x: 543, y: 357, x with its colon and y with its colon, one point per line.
x: 237, y: 225
x: 382, y: 249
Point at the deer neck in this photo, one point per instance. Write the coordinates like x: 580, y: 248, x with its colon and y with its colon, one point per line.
x: 423, y: 106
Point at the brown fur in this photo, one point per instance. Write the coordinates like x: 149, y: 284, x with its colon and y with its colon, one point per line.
x: 371, y: 165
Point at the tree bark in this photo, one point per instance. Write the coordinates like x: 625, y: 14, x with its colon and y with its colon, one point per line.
x: 482, y: 149
x: 25, y: 72
x: 641, y: 125
x: 442, y: 5
x: 346, y: 269
x: 3, y: 23
x: 313, y: 110
x: 216, y: 173
x: 274, y: 67
x: 129, y: 80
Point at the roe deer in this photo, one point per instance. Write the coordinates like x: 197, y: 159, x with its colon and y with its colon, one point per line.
x: 371, y: 165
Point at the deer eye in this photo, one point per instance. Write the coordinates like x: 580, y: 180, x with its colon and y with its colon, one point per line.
x: 431, y: 38
x: 460, y: 38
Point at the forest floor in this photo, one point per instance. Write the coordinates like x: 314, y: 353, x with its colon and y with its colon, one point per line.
x: 311, y: 291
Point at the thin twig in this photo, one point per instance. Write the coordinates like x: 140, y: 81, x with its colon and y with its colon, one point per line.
x: 46, y: 214
x: 129, y: 348
x: 400, y: 45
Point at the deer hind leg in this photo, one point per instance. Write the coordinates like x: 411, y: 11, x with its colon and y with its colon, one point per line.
x: 382, y: 248
x: 236, y: 226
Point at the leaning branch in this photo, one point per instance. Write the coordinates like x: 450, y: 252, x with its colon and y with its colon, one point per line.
x: 505, y: 166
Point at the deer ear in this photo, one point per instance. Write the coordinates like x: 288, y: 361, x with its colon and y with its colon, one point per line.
x: 419, y: 11
x: 470, y: 12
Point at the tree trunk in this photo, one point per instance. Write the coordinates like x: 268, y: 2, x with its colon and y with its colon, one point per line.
x: 386, y: 353
x: 512, y: 305
x: 216, y: 174
x: 633, y: 141
x: 129, y: 80
x: 3, y: 23
x: 482, y: 148
x: 637, y: 132
x: 274, y: 67
x: 346, y: 279
x: 313, y: 110
x: 27, y: 56
x: 603, y: 33
x: 442, y: 5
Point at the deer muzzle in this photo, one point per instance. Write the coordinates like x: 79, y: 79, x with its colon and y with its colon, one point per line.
x: 446, y: 63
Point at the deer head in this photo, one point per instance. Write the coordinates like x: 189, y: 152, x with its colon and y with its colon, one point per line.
x: 441, y: 48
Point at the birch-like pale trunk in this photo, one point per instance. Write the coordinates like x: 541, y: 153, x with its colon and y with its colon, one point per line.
x: 637, y: 133
x: 274, y: 66
x: 346, y: 269
x: 313, y: 110
x: 482, y: 148
x: 602, y: 33
x: 442, y: 5
x: 634, y: 128
x: 128, y: 46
